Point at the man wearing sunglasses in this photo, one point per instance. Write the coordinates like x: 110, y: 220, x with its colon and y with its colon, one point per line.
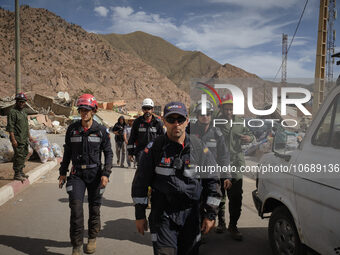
x: 144, y: 130
x: 213, y: 138
x: 168, y: 166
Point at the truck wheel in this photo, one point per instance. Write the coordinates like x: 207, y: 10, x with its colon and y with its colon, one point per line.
x: 283, y: 236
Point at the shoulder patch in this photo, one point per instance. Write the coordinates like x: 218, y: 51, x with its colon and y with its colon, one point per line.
x: 205, y: 150
x: 149, y: 145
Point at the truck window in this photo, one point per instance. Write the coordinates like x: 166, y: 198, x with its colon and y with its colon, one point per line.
x: 322, y: 135
x: 335, y: 139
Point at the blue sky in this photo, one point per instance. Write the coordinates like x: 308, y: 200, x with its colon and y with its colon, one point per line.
x: 244, y: 33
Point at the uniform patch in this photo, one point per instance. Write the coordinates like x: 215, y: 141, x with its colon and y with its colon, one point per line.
x: 107, y: 131
x: 205, y: 150
x: 146, y: 150
x: 149, y: 145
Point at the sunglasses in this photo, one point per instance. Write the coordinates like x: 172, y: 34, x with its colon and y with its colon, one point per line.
x: 146, y: 108
x: 180, y: 120
x: 207, y: 114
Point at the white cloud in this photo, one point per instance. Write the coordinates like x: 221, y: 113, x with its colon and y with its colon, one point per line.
x: 258, y: 4
x: 223, y: 36
x: 267, y: 65
x: 126, y: 20
x: 101, y: 11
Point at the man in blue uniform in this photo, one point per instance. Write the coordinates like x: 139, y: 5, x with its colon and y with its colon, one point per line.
x: 214, y: 139
x: 168, y: 166
x: 84, y: 143
x: 144, y: 130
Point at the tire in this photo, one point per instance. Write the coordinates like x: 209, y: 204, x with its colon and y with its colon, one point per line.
x: 283, y: 236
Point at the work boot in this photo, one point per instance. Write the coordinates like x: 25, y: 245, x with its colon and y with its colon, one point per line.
x: 77, y: 250
x: 235, y: 233
x: 91, y: 246
x: 24, y: 175
x: 18, y: 177
x: 221, y: 227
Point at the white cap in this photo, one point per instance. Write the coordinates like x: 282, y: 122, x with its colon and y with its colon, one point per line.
x: 147, y: 102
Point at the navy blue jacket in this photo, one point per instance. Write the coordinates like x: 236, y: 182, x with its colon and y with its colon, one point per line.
x: 214, y: 140
x: 142, y: 133
x: 85, y: 148
x: 176, y: 190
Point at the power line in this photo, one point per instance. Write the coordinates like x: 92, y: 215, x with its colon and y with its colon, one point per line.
x: 296, y: 29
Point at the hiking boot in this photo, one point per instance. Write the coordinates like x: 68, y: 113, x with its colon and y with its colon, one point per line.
x: 77, y: 250
x: 221, y: 227
x: 18, y: 177
x: 91, y: 246
x: 24, y: 175
x: 235, y: 233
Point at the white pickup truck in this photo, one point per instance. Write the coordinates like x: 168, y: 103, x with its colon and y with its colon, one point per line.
x: 302, y: 195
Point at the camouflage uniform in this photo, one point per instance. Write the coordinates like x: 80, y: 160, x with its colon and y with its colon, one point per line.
x: 18, y: 124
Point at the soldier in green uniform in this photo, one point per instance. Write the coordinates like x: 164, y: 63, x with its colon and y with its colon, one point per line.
x: 17, y: 126
x: 235, y: 135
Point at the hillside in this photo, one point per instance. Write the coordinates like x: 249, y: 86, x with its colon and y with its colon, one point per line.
x: 178, y: 65
x: 58, y: 56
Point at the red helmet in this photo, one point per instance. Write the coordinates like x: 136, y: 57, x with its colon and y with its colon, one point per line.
x: 21, y: 97
x: 87, y: 101
x: 227, y: 99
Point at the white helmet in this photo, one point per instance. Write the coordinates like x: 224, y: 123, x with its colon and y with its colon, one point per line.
x: 148, y: 102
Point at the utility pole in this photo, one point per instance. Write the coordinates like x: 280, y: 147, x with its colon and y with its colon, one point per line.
x: 284, y: 59
x: 330, y: 42
x: 17, y: 48
x: 320, y: 64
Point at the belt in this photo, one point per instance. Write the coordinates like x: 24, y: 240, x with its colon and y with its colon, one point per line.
x: 83, y: 167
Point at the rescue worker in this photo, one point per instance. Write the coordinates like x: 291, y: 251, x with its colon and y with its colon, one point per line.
x: 214, y: 140
x: 235, y: 135
x: 84, y: 143
x: 167, y: 165
x: 144, y: 129
x: 17, y: 126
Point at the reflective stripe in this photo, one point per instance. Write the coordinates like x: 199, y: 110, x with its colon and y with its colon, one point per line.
x: 153, y: 237
x: 189, y: 172
x: 213, y: 201
x: 94, y: 139
x: 164, y: 171
x: 140, y: 200
x: 142, y: 129
x: 211, y: 144
x: 76, y: 139
x: 129, y: 146
x: 198, y: 238
x: 153, y: 130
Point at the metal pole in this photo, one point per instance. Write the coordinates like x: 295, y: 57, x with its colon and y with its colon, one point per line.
x: 17, y: 48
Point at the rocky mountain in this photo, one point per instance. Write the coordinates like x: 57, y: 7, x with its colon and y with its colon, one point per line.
x: 59, y: 56
x: 178, y: 65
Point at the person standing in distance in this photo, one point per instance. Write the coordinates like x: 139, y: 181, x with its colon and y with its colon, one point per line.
x: 84, y: 143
